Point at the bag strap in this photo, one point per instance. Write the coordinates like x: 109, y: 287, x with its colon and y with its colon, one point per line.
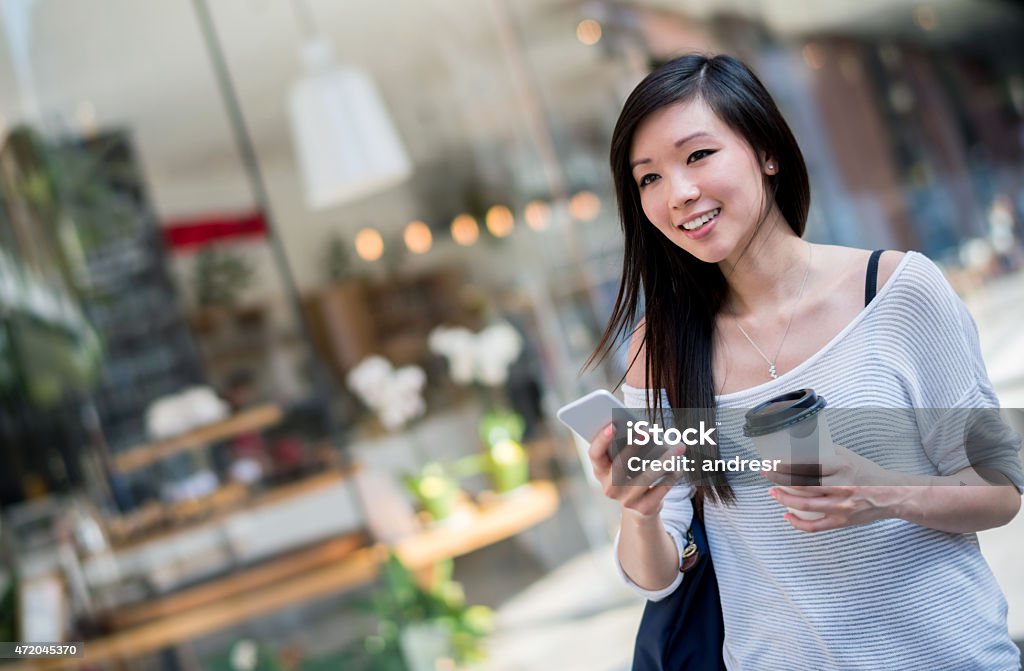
x: 871, y: 279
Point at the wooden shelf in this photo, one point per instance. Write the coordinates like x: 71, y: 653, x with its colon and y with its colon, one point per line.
x: 274, y: 586
x: 241, y: 581
x: 504, y: 517
x: 254, y: 419
x: 329, y: 477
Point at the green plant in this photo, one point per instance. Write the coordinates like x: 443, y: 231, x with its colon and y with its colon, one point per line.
x: 402, y: 602
x: 47, y: 345
x: 220, y: 276
x: 80, y: 188
x: 339, y: 260
x: 435, y: 489
x: 499, y: 425
x: 508, y: 463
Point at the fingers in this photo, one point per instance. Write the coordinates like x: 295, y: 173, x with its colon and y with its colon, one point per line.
x: 598, y: 452
x: 636, y: 485
x: 643, y: 500
x: 824, y: 524
x: 642, y: 467
x: 842, y: 491
x: 811, y: 504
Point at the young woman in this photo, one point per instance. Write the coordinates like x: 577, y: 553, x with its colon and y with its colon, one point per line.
x: 737, y: 308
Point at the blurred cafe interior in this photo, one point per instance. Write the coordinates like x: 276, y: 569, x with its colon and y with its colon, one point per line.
x: 291, y: 289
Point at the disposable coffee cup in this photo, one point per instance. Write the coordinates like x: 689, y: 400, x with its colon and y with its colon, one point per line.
x: 793, y: 429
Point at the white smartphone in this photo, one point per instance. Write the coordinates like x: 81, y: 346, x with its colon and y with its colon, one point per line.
x: 591, y: 413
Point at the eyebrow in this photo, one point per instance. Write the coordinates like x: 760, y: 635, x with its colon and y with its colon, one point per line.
x: 677, y: 144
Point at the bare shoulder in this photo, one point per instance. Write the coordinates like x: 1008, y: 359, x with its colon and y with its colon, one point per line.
x: 851, y: 263
x: 887, y: 264
x: 636, y: 373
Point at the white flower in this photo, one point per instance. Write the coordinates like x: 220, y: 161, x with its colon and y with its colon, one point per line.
x: 449, y: 341
x: 462, y: 366
x: 410, y: 377
x: 244, y: 655
x: 396, y: 396
x: 500, y: 344
x: 369, y: 375
x: 484, y: 357
x: 492, y: 373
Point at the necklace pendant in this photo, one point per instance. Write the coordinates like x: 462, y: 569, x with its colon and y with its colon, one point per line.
x: 771, y: 371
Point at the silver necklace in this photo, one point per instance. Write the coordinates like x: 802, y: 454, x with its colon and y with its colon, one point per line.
x: 800, y: 294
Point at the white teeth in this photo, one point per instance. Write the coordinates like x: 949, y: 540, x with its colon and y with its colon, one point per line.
x: 694, y: 224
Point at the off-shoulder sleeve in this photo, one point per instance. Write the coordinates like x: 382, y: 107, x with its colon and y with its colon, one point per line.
x: 957, y: 409
x: 676, y: 511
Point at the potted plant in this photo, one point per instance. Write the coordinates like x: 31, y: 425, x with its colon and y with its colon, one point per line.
x: 483, y: 360
x: 502, y: 432
x: 435, y: 490
x: 427, y: 623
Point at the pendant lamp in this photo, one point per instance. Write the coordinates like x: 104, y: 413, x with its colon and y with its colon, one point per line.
x: 346, y: 143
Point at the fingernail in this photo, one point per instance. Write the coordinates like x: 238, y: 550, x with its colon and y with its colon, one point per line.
x: 610, y: 430
x: 772, y: 493
x: 787, y: 517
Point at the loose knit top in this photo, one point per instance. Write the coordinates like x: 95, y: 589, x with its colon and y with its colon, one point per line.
x: 889, y: 594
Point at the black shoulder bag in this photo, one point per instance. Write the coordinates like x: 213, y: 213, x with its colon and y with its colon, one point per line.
x: 684, y: 631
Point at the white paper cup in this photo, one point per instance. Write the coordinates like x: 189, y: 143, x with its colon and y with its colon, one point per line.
x: 792, y: 429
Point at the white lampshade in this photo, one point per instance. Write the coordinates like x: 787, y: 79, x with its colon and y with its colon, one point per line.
x: 347, y: 145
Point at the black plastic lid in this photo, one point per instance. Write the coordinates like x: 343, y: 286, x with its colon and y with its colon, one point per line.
x: 781, y: 411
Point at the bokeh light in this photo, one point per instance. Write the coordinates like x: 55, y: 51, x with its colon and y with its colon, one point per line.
x: 369, y: 244
x: 537, y: 215
x: 588, y: 32
x: 500, y: 221
x: 584, y: 206
x: 465, y: 230
x: 418, y: 237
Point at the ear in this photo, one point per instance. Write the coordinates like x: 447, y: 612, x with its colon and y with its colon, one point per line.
x: 769, y: 164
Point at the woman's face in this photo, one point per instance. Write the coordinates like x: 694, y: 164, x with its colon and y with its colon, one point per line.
x: 700, y: 183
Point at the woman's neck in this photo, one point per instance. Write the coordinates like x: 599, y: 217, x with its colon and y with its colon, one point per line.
x: 770, y: 272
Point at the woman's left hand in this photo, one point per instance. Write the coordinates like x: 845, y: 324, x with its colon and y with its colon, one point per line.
x: 854, y: 490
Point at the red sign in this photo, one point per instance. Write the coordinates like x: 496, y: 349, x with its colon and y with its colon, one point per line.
x: 182, y: 235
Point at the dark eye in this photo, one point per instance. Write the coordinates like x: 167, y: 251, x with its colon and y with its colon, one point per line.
x: 698, y: 155
x: 647, y: 179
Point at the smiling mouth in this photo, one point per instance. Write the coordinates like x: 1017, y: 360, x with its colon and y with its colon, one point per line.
x: 697, y: 222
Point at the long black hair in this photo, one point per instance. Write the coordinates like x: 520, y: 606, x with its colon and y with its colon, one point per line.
x: 682, y: 295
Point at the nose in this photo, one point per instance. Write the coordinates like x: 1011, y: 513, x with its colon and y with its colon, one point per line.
x: 684, y: 191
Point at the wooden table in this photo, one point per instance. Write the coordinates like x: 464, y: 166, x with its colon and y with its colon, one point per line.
x: 222, y: 604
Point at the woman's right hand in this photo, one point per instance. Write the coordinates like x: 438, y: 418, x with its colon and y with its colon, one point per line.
x: 638, y: 496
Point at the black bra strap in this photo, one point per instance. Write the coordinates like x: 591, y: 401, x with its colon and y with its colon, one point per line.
x: 871, y: 280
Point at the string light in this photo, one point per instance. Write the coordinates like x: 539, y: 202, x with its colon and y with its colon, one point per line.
x: 588, y: 32
x: 584, y: 206
x: 418, y: 237
x: 369, y: 244
x: 537, y: 215
x: 500, y: 221
x: 465, y: 230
